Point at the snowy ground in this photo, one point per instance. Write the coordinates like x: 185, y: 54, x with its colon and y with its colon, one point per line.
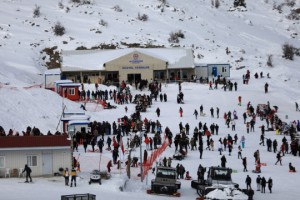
x: 195, y: 95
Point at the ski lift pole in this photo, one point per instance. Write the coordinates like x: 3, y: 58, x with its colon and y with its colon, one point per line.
x: 100, y: 161
x: 141, y: 167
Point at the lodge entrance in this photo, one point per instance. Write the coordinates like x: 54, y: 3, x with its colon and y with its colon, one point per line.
x: 132, y: 78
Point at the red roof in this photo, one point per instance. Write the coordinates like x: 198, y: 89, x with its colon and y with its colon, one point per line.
x: 34, y: 141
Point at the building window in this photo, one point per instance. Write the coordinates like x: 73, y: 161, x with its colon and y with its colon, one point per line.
x: 32, y: 161
x: 224, y: 69
x: 2, y: 161
x: 160, y: 75
x: 71, y: 91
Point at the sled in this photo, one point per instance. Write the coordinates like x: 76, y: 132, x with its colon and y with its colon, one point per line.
x: 292, y: 171
x: 263, y: 164
x: 188, y: 178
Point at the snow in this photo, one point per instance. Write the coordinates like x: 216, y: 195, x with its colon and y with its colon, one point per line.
x: 253, y: 34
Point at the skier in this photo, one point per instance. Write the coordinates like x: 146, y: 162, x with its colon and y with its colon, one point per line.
x: 218, y: 111
x: 297, y: 106
x: 243, y: 139
x: 27, y: 169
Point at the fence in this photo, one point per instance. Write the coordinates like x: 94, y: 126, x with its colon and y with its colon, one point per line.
x: 154, y: 155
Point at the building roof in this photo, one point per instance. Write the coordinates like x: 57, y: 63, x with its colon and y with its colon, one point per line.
x: 89, y: 60
x: 76, y: 117
x: 69, y: 84
x: 33, y: 141
x: 52, y: 72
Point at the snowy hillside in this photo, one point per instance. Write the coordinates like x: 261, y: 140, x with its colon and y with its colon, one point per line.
x: 250, y: 36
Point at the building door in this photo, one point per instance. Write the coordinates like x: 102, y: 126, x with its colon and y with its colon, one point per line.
x: 47, y: 164
x: 133, y: 77
x: 214, y: 71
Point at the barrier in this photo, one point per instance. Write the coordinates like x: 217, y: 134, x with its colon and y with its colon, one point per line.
x: 154, y: 155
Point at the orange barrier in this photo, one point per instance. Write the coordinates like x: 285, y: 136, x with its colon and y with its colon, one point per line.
x: 154, y: 155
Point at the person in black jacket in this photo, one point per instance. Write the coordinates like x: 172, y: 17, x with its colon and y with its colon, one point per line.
x: 258, y: 180
x: 248, y: 182
x: 263, y: 185
x: 270, y: 184
x: 223, y: 161
x: 28, y: 171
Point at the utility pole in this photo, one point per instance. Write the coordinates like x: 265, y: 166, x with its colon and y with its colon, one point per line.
x: 141, y: 160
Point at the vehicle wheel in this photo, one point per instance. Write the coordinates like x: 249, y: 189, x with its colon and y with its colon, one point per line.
x: 195, y: 184
x: 90, y: 182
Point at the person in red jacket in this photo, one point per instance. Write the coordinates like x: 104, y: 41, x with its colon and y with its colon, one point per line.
x: 240, y: 100
x: 180, y: 111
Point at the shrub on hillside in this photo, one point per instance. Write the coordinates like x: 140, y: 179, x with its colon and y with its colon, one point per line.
x: 117, y: 8
x: 36, y: 11
x: 288, y: 51
x: 294, y: 15
x: 290, y: 3
x: 103, y: 23
x: 61, y: 5
x: 75, y: 1
x: 174, y: 36
x: 142, y: 17
x: 237, y: 3
x: 270, y: 61
x: 58, y: 29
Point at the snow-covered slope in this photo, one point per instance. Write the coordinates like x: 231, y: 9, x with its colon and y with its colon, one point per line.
x: 251, y: 35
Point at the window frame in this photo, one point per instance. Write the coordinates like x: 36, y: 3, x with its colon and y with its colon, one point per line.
x: 2, y: 157
x: 72, y: 91
x: 30, y: 161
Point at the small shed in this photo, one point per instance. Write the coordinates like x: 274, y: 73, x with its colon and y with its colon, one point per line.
x: 51, y: 76
x: 79, y: 125
x: 73, y: 118
x: 69, y: 90
x: 43, y: 154
x: 212, y: 70
x: 222, y: 70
